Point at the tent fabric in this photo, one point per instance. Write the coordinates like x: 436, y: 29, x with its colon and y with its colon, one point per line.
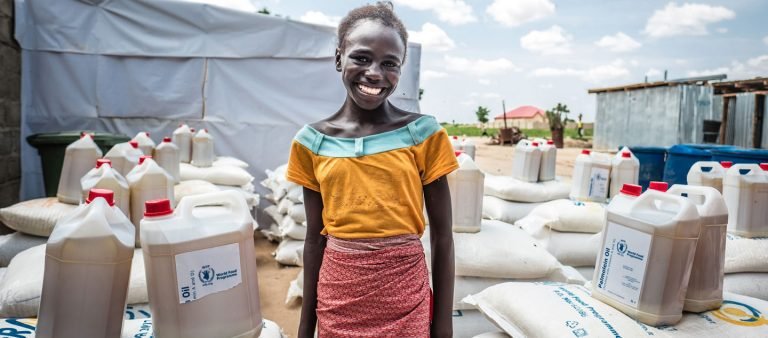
x: 251, y: 79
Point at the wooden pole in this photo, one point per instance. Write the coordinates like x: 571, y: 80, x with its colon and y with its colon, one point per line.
x: 504, y: 113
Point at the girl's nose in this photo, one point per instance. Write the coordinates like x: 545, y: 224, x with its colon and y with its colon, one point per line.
x: 374, y: 73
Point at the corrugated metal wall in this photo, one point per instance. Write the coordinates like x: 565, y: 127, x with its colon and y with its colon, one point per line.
x: 764, y: 142
x: 696, y: 106
x: 646, y: 117
x: 743, y: 120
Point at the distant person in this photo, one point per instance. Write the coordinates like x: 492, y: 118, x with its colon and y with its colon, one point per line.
x: 485, y: 132
x: 366, y: 172
x: 580, y: 127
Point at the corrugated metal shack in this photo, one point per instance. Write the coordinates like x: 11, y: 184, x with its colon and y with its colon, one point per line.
x: 740, y: 106
x: 652, y: 114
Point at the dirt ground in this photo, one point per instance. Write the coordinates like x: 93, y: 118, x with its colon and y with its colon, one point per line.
x: 274, y: 278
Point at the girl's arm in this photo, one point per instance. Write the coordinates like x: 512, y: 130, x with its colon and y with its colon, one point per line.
x: 437, y: 198
x: 314, y: 246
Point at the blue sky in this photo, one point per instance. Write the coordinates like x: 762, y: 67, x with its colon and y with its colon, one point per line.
x: 541, y: 52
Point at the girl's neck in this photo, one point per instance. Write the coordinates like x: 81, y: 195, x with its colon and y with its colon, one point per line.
x: 382, y: 115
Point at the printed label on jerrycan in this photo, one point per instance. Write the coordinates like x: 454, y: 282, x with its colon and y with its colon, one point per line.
x: 622, y: 264
x: 598, y: 183
x: 208, y: 271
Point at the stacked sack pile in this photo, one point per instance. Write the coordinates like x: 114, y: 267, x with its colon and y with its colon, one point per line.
x: 289, y: 220
x: 22, y: 282
x: 571, y: 229
x: 489, y: 252
x: 746, y: 249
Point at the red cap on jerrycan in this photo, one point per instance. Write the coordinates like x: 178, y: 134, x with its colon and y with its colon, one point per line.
x: 166, y: 139
x: 535, y: 144
x: 764, y: 166
x: 102, y: 161
x: 142, y: 158
x: 585, y: 152
x: 726, y: 164
x: 631, y: 189
x: 626, y: 154
x: 106, y: 194
x: 660, y: 186
x: 157, y: 208
x: 134, y: 144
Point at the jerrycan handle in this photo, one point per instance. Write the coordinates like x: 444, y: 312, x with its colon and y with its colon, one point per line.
x: 746, y: 169
x: 652, y: 199
x: 230, y: 199
x: 709, y: 196
x: 707, y: 167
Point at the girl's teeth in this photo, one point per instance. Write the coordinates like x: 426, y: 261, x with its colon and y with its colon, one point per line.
x: 369, y: 90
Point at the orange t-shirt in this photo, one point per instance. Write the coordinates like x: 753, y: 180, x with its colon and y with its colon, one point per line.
x: 372, y: 186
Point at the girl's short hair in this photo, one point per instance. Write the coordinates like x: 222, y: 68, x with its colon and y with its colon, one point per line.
x: 382, y: 11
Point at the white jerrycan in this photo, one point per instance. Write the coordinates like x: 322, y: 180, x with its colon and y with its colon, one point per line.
x: 590, y: 177
x: 646, y: 256
x: 167, y: 156
x: 624, y: 169
x: 624, y: 199
x: 124, y: 156
x: 548, y: 161
x: 526, y: 161
x: 104, y: 177
x: 79, y: 158
x: 201, y: 270
x: 182, y: 138
x: 708, y: 174
x: 147, y: 181
x: 705, y: 287
x: 202, y: 149
x: 468, y: 147
x: 466, y: 186
x: 745, y: 189
x: 146, y: 145
x: 87, y: 270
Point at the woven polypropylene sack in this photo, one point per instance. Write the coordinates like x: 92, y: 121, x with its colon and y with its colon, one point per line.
x: 35, y: 217
x: 510, y: 189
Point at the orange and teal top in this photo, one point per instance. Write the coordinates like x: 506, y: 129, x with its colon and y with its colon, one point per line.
x: 372, y: 186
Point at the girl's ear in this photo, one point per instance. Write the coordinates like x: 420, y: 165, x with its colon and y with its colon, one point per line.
x: 338, y: 60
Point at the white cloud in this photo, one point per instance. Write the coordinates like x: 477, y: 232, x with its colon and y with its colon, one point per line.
x: 653, y: 72
x: 722, y: 30
x: 455, y: 12
x: 516, y: 12
x: 546, y: 86
x: 688, y: 19
x: 479, y: 67
x: 484, y: 82
x: 597, y: 74
x: 469, y: 102
x: 551, y: 41
x: 618, y: 42
x: 320, y: 18
x: 432, y: 37
x: 737, y: 70
x: 491, y: 96
x: 432, y: 74
x: 681, y: 61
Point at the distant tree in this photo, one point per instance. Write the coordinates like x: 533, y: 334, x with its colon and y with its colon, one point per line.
x: 265, y: 11
x: 421, y: 93
x: 482, y: 114
x: 556, y: 116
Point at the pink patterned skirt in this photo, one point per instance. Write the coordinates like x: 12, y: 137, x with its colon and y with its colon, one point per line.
x: 374, y: 288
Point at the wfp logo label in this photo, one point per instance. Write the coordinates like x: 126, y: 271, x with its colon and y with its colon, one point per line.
x: 206, y: 275
x: 621, y: 247
x: 740, y: 314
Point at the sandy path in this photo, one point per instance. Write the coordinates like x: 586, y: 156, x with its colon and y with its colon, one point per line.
x: 274, y: 279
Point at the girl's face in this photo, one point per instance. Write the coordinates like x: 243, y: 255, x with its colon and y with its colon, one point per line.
x: 370, y: 63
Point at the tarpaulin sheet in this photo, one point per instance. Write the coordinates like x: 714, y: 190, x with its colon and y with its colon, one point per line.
x: 128, y: 66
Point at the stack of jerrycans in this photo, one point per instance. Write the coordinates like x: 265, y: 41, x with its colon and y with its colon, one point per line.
x: 650, y: 246
x: 201, y: 270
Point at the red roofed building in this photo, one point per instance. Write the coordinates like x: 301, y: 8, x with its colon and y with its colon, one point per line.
x: 523, y: 117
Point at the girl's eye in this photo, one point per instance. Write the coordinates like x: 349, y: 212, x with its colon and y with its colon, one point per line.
x: 390, y: 64
x: 360, y: 58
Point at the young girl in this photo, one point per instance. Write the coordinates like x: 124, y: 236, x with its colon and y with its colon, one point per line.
x: 367, y: 171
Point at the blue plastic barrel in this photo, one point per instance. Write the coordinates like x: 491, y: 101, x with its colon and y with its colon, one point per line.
x: 709, y: 146
x: 740, y: 155
x: 651, y: 163
x: 680, y: 160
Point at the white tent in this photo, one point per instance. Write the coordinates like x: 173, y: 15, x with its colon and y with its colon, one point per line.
x: 127, y: 66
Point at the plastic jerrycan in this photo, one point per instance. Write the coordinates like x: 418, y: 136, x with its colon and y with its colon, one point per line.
x: 147, y: 181
x: 182, y: 138
x: 466, y: 186
x: 646, y: 256
x: 201, y: 271
x: 167, y: 156
x: 124, y: 156
x: 745, y: 189
x: 623, y: 200
x: 624, y: 169
x: 705, y: 287
x: 78, y: 160
x: 468, y: 147
x: 104, y: 177
x: 590, y: 177
x: 708, y: 174
x: 146, y: 145
x: 87, y: 270
x: 202, y: 149
x: 526, y: 161
x: 548, y: 161
x: 658, y: 186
